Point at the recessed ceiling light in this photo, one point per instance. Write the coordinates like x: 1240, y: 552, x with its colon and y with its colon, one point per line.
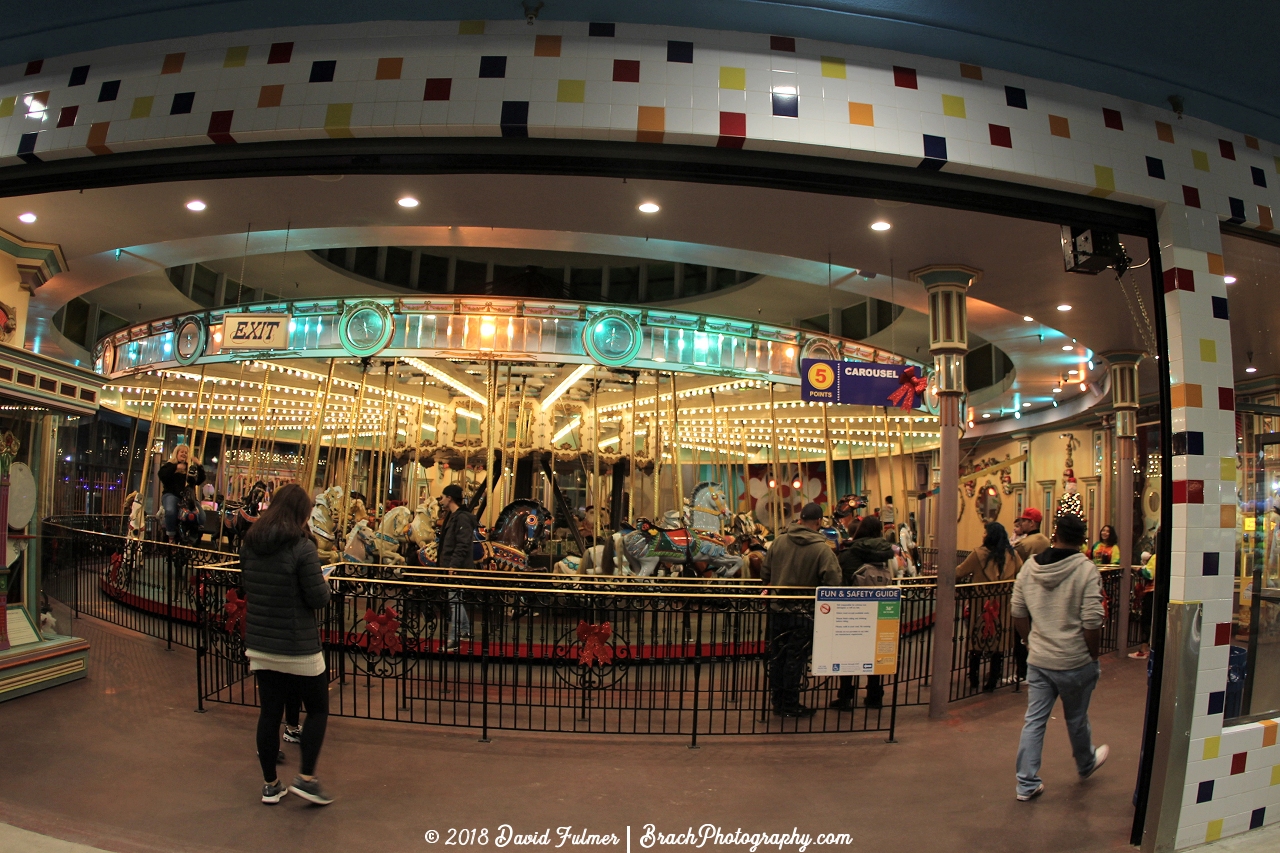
x: 1064, y: 307
x: 407, y: 201
x: 1072, y: 372
x: 1067, y: 348
x: 196, y: 205
x: 880, y: 226
x: 27, y: 217
x: 1229, y: 279
x: 1251, y: 369
x: 986, y: 414
x: 1026, y: 405
x: 1017, y: 415
x: 1057, y: 390
x: 649, y: 207
x: 1029, y: 319
x: 1084, y: 386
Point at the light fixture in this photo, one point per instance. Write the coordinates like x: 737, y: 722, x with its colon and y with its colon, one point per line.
x: 1229, y: 279
x: 609, y: 441
x: 649, y: 207
x: 1029, y: 319
x: 439, y: 374
x: 1017, y: 415
x: 1026, y: 405
x: 487, y: 327
x: 1091, y: 364
x: 986, y: 414
x: 796, y: 483
x: 773, y: 483
x: 407, y: 201
x: 1067, y: 348
x: 1251, y: 369
x: 880, y: 226
x: 1064, y: 307
x: 1057, y: 389
x: 1084, y: 386
x: 27, y: 217
x: 1072, y: 372
x: 196, y: 205
x: 578, y: 373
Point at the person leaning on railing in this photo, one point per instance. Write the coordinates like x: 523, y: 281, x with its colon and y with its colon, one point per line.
x: 864, y: 561
x: 800, y: 557
x: 1106, y: 551
x: 994, y: 560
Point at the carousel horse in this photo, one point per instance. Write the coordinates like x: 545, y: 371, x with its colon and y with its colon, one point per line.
x: 422, y: 533
x: 707, y: 510
x: 648, y: 546
x: 323, y: 523
x: 519, y: 531
x: 236, y: 522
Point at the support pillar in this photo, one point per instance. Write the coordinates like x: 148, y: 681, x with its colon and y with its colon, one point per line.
x: 947, y: 287
x: 1124, y: 399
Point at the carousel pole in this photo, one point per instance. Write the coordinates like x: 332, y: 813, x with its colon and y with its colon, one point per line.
x: 893, y: 477
x: 515, y: 447
x: 831, y: 463
x: 313, y: 455
x: 875, y: 447
x: 775, y: 492
x: 490, y: 426
x: 506, y: 417
x: 195, y: 430
x: 146, y: 459
x: 223, y: 476
x: 353, y: 427
x: 675, y: 448
x: 656, y: 429
x: 631, y: 455
x: 715, y: 444
x: 595, y: 458
x: 744, y: 505
x: 848, y: 437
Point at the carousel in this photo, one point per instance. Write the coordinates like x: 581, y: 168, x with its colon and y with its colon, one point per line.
x: 587, y: 439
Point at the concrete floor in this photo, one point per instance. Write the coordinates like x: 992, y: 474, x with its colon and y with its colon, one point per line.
x: 120, y: 762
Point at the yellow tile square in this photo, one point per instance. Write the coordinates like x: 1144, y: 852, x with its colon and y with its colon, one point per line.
x: 470, y: 28
x: 863, y: 114
x: 571, y: 91
x: 1277, y: 161
x: 1059, y: 126
x: 1104, y: 180
x: 337, y: 121
x: 141, y: 107
x: 236, y: 57
x: 833, y: 66
x: 1211, y: 745
x: 733, y: 78
x: 1275, y: 774
x: 1227, y: 468
x: 1200, y: 160
x: 1208, y: 350
x: 953, y: 105
x: 1213, y: 831
x: 6, y: 106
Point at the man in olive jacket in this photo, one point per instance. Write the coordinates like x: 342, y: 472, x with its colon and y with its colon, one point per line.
x: 455, y: 552
x: 801, y: 557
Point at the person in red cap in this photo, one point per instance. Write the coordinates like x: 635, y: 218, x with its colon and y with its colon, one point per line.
x: 1029, y: 541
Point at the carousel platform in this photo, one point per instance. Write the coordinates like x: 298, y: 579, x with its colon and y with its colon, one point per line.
x: 33, y: 662
x: 136, y: 770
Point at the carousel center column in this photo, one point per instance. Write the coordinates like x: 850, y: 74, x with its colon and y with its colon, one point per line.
x: 947, y: 287
x: 1124, y: 399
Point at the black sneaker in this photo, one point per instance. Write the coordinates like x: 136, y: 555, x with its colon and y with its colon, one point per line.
x: 293, y: 734
x: 271, y: 793
x: 310, y: 791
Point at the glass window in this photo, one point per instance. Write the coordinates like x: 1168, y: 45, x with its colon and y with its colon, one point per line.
x: 204, y: 286
x: 1253, y: 670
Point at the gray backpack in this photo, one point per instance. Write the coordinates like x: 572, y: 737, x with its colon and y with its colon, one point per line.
x: 873, y: 574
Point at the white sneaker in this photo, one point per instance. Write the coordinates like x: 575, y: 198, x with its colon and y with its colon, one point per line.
x: 1022, y: 798
x: 1099, y: 758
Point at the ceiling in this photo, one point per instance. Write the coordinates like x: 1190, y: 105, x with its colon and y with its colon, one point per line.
x: 1220, y: 60
x: 787, y: 236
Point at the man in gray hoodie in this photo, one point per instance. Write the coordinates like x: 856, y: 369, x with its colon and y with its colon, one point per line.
x: 1057, y: 608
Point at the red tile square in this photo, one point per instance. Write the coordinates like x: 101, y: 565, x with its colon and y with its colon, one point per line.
x: 1195, y: 491
x: 1222, y: 634
x: 438, y: 89
x: 67, y: 116
x: 1179, y: 279
x: 281, y: 52
x: 1226, y: 149
x: 220, y: 127
x: 626, y: 71
x: 1179, y: 491
x: 783, y: 43
x: 1000, y: 135
x: 904, y: 78
x: 1112, y: 119
x: 733, y: 124
x: 33, y: 67
x: 1227, y: 399
x: 1239, y: 762
x: 1190, y: 196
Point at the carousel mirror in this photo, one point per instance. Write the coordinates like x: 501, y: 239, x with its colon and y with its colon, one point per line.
x: 988, y: 502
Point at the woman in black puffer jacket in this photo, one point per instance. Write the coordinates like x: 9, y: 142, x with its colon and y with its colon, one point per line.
x: 868, y: 547
x: 284, y: 587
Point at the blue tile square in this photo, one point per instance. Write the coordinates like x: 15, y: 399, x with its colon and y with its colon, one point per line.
x: 679, y: 51
x: 1220, y: 308
x: 79, y: 75
x: 1259, y: 176
x: 515, y: 118
x: 604, y: 31
x: 493, y: 66
x: 1217, y: 700
x: 935, y: 147
x: 182, y: 103
x: 1257, y: 818
x: 27, y: 147
x: 110, y: 90
x: 787, y: 106
x: 1209, y: 564
x: 322, y: 70
x: 1188, y: 444
x: 1155, y: 167
x: 1205, y: 792
x: 1015, y: 97
x: 1237, y: 210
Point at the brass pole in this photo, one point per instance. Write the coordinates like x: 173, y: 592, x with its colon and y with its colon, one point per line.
x: 831, y: 464
x: 349, y: 473
x: 775, y: 497
x: 595, y: 457
x: 656, y: 429
x: 490, y: 427
x: 675, y: 447
x: 875, y: 445
x: 848, y: 437
x: 146, y: 460
x: 313, y: 457
x: 631, y: 456
x: 515, y: 447
x: 224, y: 469
x: 506, y: 418
x: 745, y: 503
x: 893, y: 477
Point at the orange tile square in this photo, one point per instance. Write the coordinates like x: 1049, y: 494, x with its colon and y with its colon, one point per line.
x: 970, y: 72
x: 97, y: 142
x: 1164, y: 131
x: 173, y: 63
x: 1269, y: 729
x: 1215, y: 264
x: 270, y: 96
x: 1186, y: 395
x: 862, y: 114
x: 1059, y: 126
x: 651, y: 124
x: 1227, y: 516
x: 546, y: 46
x: 389, y: 68
x: 1251, y: 142
x: 1265, y: 222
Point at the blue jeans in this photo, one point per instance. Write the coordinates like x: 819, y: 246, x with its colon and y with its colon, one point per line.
x: 459, y: 622
x: 1044, y: 686
x: 170, y: 503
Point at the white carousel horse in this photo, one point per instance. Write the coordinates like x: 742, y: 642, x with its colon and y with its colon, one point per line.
x: 323, y: 522
x: 382, y: 546
x: 423, y: 529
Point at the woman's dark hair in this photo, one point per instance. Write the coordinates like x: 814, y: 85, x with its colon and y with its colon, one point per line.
x: 1110, y: 538
x: 996, y: 541
x: 868, y: 528
x: 282, y: 523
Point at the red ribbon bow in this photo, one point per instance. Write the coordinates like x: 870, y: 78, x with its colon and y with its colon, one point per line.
x: 595, y: 646
x: 990, y: 618
x: 234, y: 613
x: 383, y: 630
x: 909, y: 385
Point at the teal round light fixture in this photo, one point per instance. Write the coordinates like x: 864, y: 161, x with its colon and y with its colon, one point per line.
x: 365, y: 328
x: 612, y: 338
